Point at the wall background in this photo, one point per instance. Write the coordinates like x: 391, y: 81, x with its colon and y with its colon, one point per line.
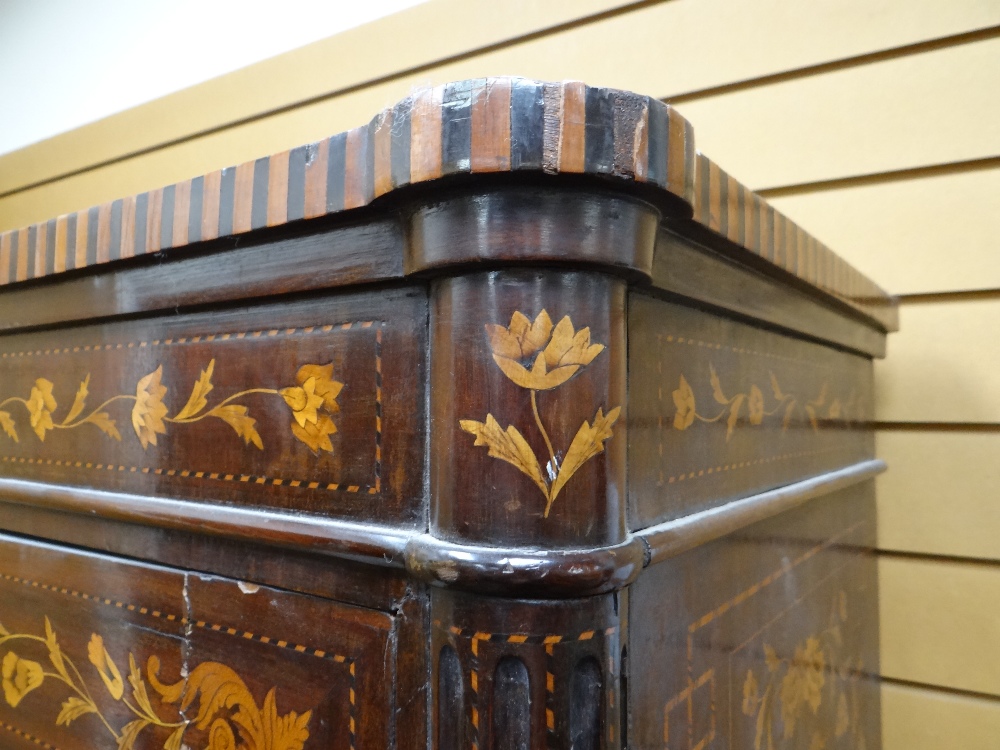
x: 873, y: 123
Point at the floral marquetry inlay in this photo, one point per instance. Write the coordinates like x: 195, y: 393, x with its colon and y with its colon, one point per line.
x: 213, y: 698
x: 312, y: 402
x: 539, y: 356
x: 793, y: 688
x: 754, y: 403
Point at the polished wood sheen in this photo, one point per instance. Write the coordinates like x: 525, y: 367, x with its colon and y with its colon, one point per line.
x: 505, y: 421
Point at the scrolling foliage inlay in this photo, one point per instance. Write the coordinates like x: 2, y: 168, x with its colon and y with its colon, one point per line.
x: 224, y: 701
x: 554, y: 354
x: 687, y: 412
x: 313, y: 402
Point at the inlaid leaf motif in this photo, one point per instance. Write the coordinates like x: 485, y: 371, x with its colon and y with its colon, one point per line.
x: 55, y: 653
x: 734, y: 415
x: 717, y: 393
x: 78, y: 403
x: 8, y: 425
x: 73, y: 708
x: 789, y: 413
x: 236, y: 416
x: 106, y: 667
x: 589, y: 441
x: 778, y: 395
x: 174, y: 740
x: 509, y: 446
x: 130, y: 733
x: 106, y: 424
x: 197, y: 400
x: 139, y: 692
x: 811, y: 412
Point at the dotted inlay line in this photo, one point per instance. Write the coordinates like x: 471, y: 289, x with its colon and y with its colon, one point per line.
x: 215, y: 627
x: 193, y: 339
x: 373, y: 489
x: 222, y: 477
x: 736, y: 466
x: 692, y: 341
x: 28, y: 737
x: 549, y: 641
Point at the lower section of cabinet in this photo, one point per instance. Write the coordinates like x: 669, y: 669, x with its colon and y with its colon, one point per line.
x: 99, y: 652
x: 766, y: 638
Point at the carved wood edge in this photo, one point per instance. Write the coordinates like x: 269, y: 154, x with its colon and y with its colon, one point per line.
x: 502, y: 125
x: 518, y: 572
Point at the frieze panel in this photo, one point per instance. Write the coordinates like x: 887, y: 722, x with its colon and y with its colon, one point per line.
x: 722, y: 410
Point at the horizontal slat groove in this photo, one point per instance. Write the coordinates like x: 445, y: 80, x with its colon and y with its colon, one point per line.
x: 940, y: 689
x: 949, y: 296
x: 938, y: 558
x: 897, y: 175
x: 953, y: 40
x: 915, y: 426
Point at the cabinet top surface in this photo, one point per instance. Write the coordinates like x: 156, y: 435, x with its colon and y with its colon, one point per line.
x: 463, y: 130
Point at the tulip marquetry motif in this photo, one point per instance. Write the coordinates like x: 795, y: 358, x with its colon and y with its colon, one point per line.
x: 539, y: 356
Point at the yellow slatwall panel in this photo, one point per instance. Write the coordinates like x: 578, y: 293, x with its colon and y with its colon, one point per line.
x: 931, y: 108
x: 939, y: 496
x: 940, y: 623
x: 655, y: 49
x: 657, y: 58
x: 943, y: 363
x: 916, y: 719
x: 926, y: 234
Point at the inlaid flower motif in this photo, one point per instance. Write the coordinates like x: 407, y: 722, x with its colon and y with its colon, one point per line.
x: 106, y: 667
x: 803, y: 683
x: 684, y: 401
x: 20, y: 677
x: 149, y: 410
x: 40, y: 405
x: 755, y: 405
x: 313, y: 401
x: 554, y: 354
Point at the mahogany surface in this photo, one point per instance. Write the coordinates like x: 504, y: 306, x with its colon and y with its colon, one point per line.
x: 505, y: 421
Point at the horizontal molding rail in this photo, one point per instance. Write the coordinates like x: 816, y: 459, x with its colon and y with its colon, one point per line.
x: 522, y: 572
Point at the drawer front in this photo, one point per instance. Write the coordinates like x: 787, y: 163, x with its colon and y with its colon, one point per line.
x: 98, y: 652
x: 313, y: 406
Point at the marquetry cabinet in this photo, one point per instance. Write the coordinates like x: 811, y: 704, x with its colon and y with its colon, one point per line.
x: 507, y: 420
